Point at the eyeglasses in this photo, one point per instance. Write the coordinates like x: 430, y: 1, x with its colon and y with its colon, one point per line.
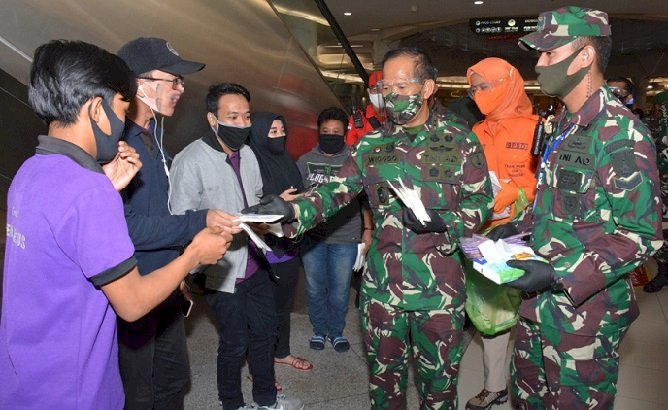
x: 480, y: 87
x: 483, y: 86
x: 399, y: 86
x: 619, y: 92
x: 178, y: 81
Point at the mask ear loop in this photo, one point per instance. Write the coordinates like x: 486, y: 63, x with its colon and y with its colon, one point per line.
x: 215, y: 131
x: 161, y: 149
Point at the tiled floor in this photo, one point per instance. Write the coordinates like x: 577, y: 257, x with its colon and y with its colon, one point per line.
x: 339, y: 381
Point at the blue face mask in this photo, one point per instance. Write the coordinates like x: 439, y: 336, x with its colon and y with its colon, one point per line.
x: 107, y: 145
x: 629, y: 103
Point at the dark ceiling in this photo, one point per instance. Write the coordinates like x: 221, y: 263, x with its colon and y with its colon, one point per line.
x: 441, y: 27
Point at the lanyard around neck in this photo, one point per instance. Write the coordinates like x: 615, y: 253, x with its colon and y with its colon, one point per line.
x: 553, y: 145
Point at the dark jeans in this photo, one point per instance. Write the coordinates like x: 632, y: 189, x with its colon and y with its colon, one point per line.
x: 153, y: 358
x: 328, y: 269
x: 285, y: 283
x: 246, y: 324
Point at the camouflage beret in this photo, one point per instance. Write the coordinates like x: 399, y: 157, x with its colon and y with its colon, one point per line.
x: 563, y: 25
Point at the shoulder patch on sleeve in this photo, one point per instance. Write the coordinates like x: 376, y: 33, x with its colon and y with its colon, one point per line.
x: 477, y: 159
x: 624, y: 163
x: 627, y: 176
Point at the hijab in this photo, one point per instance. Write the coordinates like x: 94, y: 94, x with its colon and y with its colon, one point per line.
x: 506, y: 99
x: 279, y: 171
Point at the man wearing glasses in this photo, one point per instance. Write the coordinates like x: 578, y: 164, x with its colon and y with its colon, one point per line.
x: 153, y: 356
x: 622, y: 88
x: 413, y: 292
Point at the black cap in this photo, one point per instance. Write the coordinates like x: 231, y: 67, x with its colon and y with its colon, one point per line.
x: 149, y: 53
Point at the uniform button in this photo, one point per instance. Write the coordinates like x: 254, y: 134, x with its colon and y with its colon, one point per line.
x: 567, y: 265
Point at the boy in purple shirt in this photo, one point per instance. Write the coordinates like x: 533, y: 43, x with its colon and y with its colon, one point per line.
x: 69, y: 265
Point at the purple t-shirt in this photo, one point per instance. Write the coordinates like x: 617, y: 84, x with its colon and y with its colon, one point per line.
x: 66, y: 237
x: 253, y: 263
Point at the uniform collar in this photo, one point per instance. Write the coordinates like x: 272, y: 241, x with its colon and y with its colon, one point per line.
x: 420, y: 135
x: 591, y: 107
x: 50, y: 145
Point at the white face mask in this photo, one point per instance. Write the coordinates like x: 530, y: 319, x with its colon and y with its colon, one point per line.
x: 376, y: 100
x: 151, y: 102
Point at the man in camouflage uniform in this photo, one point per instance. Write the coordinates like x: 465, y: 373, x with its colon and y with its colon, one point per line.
x: 413, y: 292
x: 596, y: 216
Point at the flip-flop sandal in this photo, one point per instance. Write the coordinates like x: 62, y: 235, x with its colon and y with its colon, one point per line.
x: 340, y: 344
x: 317, y: 342
x: 297, y: 363
x: 279, y: 388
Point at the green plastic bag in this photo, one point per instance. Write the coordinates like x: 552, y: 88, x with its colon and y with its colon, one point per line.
x: 492, y: 308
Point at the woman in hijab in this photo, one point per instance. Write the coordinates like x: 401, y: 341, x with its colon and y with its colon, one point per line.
x: 280, y: 176
x: 506, y: 135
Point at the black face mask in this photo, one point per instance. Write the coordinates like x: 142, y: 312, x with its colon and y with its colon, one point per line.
x: 331, y: 143
x: 107, y: 145
x: 232, y: 136
x: 276, y: 145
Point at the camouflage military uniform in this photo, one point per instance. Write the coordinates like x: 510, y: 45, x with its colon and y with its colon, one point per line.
x: 413, y: 290
x: 595, y: 218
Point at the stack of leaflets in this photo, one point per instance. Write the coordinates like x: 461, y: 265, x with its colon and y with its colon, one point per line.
x: 489, y: 257
x: 411, y: 198
x: 267, y: 219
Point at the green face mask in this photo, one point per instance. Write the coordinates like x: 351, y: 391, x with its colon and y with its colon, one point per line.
x: 555, y: 82
x: 403, y: 108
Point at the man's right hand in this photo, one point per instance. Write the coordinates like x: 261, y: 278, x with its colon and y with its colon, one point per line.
x: 272, y: 205
x: 210, y: 244
x: 123, y: 167
x: 502, y: 231
x: 218, y: 219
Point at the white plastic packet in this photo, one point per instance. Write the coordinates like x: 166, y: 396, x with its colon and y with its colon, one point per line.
x: 361, y: 257
x: 411, y: 199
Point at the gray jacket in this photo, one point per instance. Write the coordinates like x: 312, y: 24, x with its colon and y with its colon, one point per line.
x: 201, y: 178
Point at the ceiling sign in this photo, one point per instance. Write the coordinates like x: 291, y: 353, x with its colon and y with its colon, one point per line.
x: 503, y: 28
